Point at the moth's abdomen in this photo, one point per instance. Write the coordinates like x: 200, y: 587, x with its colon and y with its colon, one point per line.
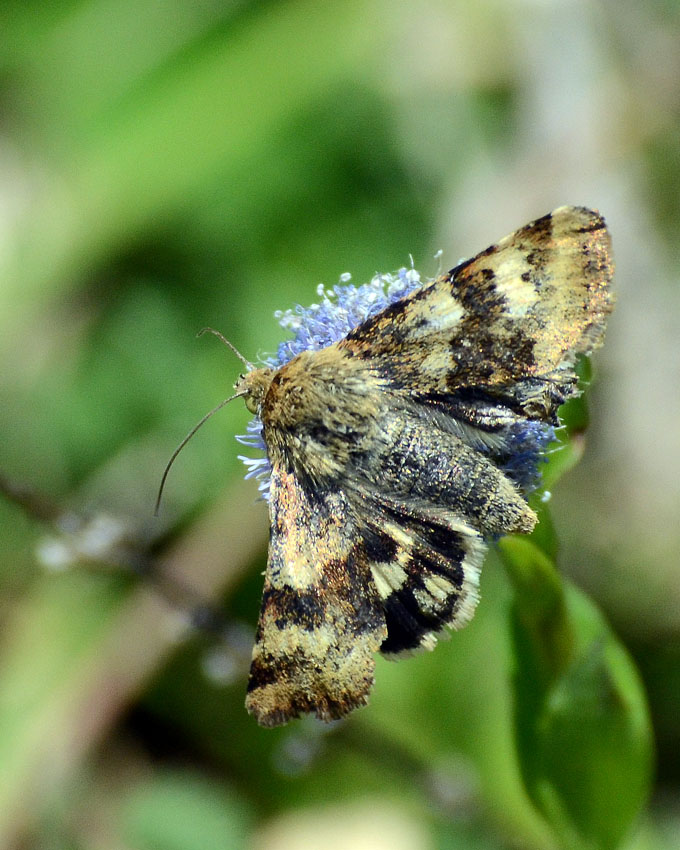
x: 415, y: 460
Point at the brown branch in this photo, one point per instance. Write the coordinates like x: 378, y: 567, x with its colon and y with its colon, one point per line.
x: 35, y: 505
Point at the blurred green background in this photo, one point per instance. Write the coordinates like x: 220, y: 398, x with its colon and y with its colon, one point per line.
x: 170, y: 165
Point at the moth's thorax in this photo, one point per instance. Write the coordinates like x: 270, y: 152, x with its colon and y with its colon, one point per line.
x: 315, y: 385
x: 320, y: 408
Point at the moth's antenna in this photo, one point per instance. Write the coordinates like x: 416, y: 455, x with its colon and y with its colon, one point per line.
x: 249, y: 366
x: 188, y: 437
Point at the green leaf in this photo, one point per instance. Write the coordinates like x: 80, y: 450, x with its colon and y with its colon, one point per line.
x: 582, y: 727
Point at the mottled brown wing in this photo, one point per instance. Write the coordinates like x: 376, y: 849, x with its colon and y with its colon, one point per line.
x: 345, y: 580
x: 321, y: 619
x: 504, y: 326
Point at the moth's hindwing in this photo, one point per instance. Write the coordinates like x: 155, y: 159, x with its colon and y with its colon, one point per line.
x: 425, y: 564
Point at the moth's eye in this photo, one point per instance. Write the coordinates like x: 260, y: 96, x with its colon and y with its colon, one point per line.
x: 251, y: 404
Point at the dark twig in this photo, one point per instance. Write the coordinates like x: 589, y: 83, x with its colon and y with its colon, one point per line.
x: 104, y: 542
x: 34, y: 504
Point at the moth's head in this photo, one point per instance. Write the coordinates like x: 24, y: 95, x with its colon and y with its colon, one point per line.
x: 253, y: 387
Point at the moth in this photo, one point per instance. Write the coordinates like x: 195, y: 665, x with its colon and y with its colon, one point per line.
x: 397, y: 452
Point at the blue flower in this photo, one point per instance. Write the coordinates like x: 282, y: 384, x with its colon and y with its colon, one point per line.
x: 526, y: 444
x: 338, y: 312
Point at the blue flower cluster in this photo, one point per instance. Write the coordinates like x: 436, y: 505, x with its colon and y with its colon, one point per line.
x: 526, y: 448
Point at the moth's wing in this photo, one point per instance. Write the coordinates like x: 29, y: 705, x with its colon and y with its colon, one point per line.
x: 425, y: 563
x: 504, y: 326
x: 350, y: 574
x: 321, y: 619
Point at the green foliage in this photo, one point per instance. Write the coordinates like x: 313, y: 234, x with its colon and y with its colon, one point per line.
x: 582, y: 725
